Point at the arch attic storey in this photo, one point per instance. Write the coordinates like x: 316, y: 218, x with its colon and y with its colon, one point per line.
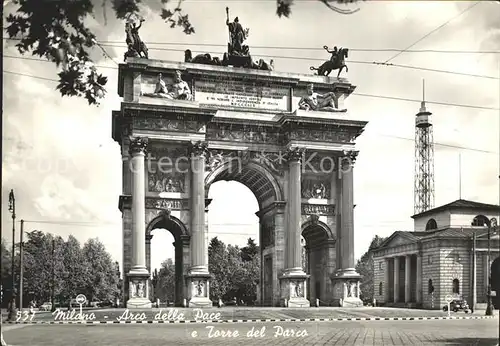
x: 184, y: 126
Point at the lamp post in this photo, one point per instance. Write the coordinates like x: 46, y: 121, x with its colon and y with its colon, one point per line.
x: 489, y: 307
x: 12, y: 209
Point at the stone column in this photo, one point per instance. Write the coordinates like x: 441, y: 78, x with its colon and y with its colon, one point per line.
x: 347, y: 273
x: 407, y: 278
x: 198, y: 277
x: 293, y: 245
x: 138, y: 275
x: 294, y: 279
x: 419, y: 279
x: 386, y: 280
x: 347, y: 217
x: 396, y: 279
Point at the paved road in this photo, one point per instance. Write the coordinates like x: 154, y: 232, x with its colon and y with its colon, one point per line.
x: 441, y: 332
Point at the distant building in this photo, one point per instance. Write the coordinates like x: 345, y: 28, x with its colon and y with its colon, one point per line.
x: 436, y: 259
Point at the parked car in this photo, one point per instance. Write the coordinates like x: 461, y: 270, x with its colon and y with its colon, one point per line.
x: 456, y: 305
x: 47, y: 306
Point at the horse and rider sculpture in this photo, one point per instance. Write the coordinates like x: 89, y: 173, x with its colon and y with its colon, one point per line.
x: 336, y: 62
x: 237, y: 55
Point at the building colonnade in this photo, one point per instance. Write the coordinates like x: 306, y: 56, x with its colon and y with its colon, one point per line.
x: 403, y: 279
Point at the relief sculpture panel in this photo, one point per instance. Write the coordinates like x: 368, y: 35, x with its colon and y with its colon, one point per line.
x: 336, y: 136
x: 244, y: 133
x: 159, y: 124
x: 274, y: 162
x: 312, y: 188
x: 166, y: 182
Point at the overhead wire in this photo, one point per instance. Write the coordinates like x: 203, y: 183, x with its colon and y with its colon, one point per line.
x: 120, y: 45
x: 433, y: 31
x: 188, y: 44
x: 354, y: 94
x: 359, y: 94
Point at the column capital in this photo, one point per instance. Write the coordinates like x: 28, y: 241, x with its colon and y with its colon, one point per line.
x: 294, y: 154
x: 198, y: 149
x: 350, y: 156
x: 138, y: 145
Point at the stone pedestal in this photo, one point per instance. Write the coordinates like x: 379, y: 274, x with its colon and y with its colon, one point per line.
x: 198, y: 290
x: 293, y: 290
x: 138, y: 288
x: 346, y: 290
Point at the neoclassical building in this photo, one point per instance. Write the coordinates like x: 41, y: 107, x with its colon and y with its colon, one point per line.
x: 440, y: 257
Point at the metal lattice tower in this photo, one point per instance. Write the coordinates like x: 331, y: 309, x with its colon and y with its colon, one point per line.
x: 424, y: 159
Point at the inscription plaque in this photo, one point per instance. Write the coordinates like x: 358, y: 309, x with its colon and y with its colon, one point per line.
x: 232, y: 93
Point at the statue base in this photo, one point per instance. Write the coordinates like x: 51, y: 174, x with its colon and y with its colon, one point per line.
x: 240, y: 60
x: 138, y: 287
x: 346, y: 291
x: 198, y: 289
x: 294, y: 289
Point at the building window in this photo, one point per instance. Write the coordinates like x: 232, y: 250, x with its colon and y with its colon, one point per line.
x: 431, y: 224
x: 430, y: 287
x: 380, y: 288
x: 481, y: 221
x: 380, y: 266
x: 429, y: 259
x: 456, y: 286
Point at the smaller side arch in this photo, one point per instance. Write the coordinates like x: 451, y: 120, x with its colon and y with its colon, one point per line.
x: 321, y: 225
x: 170, y: 223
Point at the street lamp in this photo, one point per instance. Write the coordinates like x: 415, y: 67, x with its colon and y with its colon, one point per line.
x: 489, y: 307
x: 12, y: 210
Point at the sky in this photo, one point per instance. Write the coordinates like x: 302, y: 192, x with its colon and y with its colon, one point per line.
x: 65, y: 169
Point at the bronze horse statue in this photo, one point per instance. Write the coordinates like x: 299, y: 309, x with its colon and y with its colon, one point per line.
x: 336, y: 62
x: 136, y: 47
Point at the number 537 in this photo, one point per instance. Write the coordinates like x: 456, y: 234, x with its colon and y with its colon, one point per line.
x: 24, y: 316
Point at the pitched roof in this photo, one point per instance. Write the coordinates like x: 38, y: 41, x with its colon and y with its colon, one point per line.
x: 460, y: 204
x: 465, y: 233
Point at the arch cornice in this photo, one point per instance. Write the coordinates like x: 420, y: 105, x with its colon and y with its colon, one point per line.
x: 233, y: 164
x: 320, y: 224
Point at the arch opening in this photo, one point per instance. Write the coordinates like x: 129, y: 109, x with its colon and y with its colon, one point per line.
x: 319, y: 252
x: 265, y: 189
x: 233, y: 222
x: 171, y: 267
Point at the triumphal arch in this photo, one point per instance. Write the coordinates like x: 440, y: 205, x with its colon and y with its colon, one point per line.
x: 288, y: 137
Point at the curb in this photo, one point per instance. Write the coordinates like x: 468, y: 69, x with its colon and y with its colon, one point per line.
x: 259, y: 320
